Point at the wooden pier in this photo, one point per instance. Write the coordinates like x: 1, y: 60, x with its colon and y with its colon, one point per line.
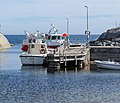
x: 72, y: 56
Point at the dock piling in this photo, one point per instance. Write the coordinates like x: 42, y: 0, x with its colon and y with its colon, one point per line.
x: 69, y: 57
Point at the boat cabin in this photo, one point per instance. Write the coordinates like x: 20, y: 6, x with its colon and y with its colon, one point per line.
x: 56, y: 40
x: 37, y: 47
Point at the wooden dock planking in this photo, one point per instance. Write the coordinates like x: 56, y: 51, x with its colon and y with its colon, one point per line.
x: 69, y: 54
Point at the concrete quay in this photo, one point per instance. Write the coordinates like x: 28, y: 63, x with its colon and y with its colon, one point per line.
x: 105, y: 53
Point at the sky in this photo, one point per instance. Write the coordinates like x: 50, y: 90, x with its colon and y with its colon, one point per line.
x: 32, y: 15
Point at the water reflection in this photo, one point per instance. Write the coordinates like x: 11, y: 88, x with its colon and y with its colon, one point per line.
x: 9, y: 58
x: 90, y: 68
x: 39, y: 69
x: 47, y: 70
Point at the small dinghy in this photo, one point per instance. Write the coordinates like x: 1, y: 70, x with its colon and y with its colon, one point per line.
x: 107, y: 64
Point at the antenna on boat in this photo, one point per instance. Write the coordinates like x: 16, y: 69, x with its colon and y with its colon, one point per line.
x: 27, y: 34
x: 38, y: 32
x: 53, y: 29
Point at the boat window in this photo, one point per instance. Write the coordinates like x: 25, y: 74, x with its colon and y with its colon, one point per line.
x: 53, y: 38
x: 63, y: 37
x: 30, y: 40
x: 42, y: 46
x: 48, y: 37
x: 58, y: 37
x: 32, y: 46
x: 34, y: 40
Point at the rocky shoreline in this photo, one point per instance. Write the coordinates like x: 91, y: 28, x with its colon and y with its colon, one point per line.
x: 4, y: 43
x: 109, y: 38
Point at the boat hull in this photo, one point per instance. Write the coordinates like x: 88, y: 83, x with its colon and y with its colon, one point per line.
x: 32, y: 59
x: 107, y: 64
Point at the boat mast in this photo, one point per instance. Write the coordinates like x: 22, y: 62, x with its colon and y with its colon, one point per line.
x: 53, y: 28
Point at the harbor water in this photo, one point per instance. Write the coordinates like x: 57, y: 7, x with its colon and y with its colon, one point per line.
x: 36, y: 84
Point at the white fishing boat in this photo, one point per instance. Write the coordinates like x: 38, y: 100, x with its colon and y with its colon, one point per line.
x: 52, y: 39
x: 35, y: 53
x: 107, y: 64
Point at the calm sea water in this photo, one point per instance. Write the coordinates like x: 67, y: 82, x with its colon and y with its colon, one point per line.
x: 35, y: 84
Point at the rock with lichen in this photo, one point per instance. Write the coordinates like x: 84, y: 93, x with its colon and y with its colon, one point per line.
x: 4, y: 43
x: 110, y: 37
x: 110, y: 34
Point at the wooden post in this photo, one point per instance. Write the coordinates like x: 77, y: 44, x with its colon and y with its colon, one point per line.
x: 59, y: 56
x: 65, y: 61
x: 76, y: 69
x: 81, y: 64
x: 75, y: 60
x: 65, y: 70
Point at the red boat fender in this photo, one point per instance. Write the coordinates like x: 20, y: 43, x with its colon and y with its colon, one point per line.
x: 24, y: 48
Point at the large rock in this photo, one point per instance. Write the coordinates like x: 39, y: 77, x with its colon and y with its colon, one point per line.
x: 110, y: 34
x: 108, y: 38
x: 4, y: 43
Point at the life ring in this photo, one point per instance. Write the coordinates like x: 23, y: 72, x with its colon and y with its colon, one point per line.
x: 42, y: 51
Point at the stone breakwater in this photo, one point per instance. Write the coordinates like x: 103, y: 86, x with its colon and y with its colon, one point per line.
x: 109, y: 38
x: 4, y: 43
x: 105, y: 53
